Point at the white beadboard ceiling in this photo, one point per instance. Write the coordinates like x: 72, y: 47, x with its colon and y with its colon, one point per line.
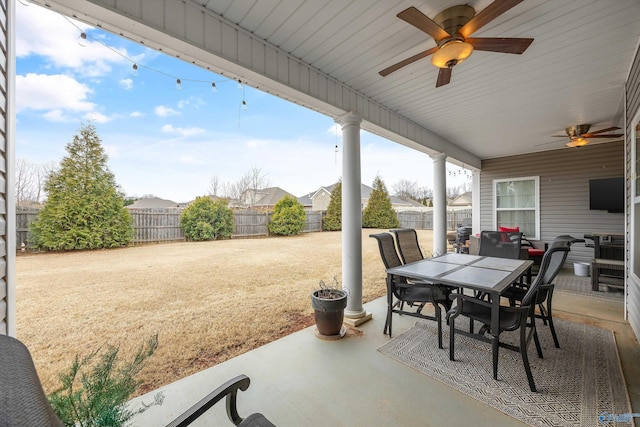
x: 496, y: 104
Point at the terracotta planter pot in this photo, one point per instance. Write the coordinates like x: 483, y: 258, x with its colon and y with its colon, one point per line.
x: 329, y: 313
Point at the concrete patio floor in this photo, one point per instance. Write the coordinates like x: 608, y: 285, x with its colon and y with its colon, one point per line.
x: 301, y: 380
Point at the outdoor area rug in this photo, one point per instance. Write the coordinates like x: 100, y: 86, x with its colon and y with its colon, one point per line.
x: 580, y: 384
x: 582, y: 286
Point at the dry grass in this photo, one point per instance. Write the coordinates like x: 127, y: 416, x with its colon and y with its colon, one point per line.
x: 208, y: 301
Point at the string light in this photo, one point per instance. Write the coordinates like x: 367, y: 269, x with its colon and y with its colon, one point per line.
x: 82, y: 39
x: 25, y: 2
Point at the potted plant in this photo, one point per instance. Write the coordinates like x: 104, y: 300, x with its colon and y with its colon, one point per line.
x: 328, y: 304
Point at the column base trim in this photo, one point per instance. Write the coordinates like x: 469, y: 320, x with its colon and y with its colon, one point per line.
x: 357, y: 321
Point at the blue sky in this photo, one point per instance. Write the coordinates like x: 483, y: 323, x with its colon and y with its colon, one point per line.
x: 170, y: 142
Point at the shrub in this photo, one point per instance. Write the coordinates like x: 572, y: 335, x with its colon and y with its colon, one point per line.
x: 288, y: 217
x: 96, y: 394
x: 84, y: 209
x: 379, y: 213
x: 333, y: 219
x: 205, y: 219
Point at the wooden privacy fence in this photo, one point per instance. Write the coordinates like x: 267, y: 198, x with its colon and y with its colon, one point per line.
x: 163, y: 224
x: 423, y: 220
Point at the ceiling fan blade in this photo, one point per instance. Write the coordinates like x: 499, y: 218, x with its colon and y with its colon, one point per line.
x: 602, y: 131
x: 444, y: 76
x: 407, y: 61
x: 503, y: 45
x: 613, y: 135
x: 486, y: 15
x: 422, y: 22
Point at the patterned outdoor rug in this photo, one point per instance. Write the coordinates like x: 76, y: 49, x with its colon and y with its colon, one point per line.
x: 579, y: 384
x: 582, y: 286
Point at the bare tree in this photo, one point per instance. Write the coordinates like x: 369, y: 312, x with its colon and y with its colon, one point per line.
x: 405, y: 189
x: 30, y: 180
x: 214, y: 185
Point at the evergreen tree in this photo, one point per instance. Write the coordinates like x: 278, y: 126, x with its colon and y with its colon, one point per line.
x: 288, y: 217
x: 333, y: 219
x: 205, y: 219
x: 84, y: 209
x: 379, y: 213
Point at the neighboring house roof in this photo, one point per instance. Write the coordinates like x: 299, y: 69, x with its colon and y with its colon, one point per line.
x: 463, y: 199
x: 365, y: 193
x: 270, y: 196
x: 153, y: 202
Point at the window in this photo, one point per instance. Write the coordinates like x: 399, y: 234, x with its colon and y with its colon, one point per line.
x: 517, y: 204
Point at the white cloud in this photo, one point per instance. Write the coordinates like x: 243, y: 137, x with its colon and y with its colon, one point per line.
x: 192, y: 101
x: 126, y: 84
x: 136, y: 114
x: 94, y: 116
x: 57, y: 116
x: 42, y: 32
x: 163, y: 111
x: 48, y: 92
x: 182, y: 131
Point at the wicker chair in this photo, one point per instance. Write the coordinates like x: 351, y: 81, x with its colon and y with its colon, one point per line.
x: 400, y: 291
x: 23, y: 402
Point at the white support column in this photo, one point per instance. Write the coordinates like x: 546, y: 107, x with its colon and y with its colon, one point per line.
x: 439, y: 203
x: 352, y: 219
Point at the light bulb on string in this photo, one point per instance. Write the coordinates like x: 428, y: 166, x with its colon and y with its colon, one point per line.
x: 82, y: 39
x: 134, y: 70
x: 244, y: 105
x: 25, y: 2
x: 214, y: 88
x: 240, y: 85
x: 178, y: 84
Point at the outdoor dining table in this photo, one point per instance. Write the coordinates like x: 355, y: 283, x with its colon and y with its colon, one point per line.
x: 488, y: 275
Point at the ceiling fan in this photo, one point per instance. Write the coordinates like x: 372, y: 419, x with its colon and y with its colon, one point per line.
x: 579, y: 134
x: 451, y: 29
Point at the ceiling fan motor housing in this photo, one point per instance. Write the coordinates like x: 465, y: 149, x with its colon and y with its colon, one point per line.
x: 577, y: 130
x: 454, y: 18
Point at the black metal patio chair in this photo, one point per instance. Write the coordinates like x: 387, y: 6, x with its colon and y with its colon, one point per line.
x: 409, y: 250
x: 399, y: 290
x: 544, y: 298
x: 23, y: 402
x: 512, y: 318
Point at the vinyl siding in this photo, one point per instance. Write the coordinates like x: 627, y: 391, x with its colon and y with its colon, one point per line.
x: 564, y: 190
x: 632, y: 109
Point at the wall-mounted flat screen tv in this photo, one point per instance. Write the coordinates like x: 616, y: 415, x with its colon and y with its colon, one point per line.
x: 606, y: 194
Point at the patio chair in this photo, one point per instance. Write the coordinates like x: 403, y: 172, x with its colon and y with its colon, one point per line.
x: 399, y: 290
x: 409, y: 250
x: 408, y: 246
x: 23, y: 402
x: 503, y: 244
x: 512, y: 318
x: 544, y: 299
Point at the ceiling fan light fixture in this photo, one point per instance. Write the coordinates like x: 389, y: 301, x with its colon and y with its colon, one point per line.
x: 451, y: 53
x: 577, y: 142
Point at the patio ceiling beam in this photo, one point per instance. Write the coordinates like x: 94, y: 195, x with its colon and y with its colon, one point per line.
x: 190, y: 31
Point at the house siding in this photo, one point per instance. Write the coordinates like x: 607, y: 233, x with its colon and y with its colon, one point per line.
x: 7, y: 209
x: 632, y: 97
x: 564, y: 191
